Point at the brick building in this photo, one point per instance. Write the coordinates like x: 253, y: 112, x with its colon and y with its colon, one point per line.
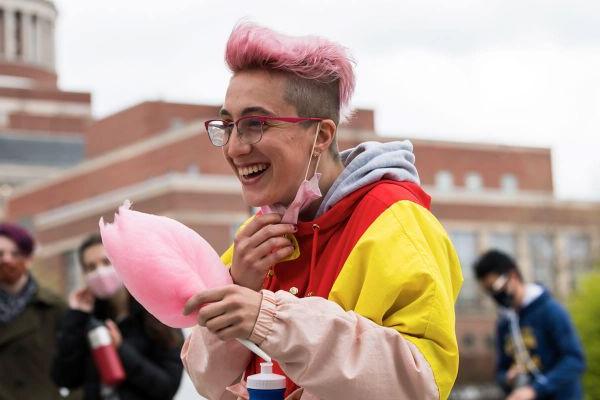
x: 41, y: 126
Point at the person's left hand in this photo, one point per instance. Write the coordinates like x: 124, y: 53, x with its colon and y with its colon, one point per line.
x: 522, y: 393
x: 115, y: 333
x: 229, y: 312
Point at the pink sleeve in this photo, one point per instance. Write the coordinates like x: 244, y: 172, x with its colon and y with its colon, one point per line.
x: 213, y: 364
x: 336, y: 354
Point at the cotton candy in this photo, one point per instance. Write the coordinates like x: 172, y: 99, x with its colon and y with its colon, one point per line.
x: 162, y: 262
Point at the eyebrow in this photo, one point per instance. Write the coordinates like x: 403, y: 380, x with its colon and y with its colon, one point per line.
x: 256, y: 110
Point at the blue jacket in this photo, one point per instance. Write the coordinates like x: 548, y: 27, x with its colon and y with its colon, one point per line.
x: 553, y: 345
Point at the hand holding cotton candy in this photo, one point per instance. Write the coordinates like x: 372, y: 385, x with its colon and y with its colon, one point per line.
x: 163, y: 263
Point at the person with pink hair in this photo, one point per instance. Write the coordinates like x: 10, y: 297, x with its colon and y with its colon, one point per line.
x: 344, y: 277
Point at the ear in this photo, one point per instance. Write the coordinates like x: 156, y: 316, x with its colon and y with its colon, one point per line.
x: 514, y: 278
x: 326, y: 136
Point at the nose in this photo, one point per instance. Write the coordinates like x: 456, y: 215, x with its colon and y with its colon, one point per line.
x: 235, y: 147
x: 6, y: 257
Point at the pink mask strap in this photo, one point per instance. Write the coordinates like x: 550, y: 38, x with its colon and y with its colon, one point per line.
x: 312, y: 151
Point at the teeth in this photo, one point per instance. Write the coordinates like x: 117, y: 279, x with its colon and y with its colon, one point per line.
x: 244, y: 171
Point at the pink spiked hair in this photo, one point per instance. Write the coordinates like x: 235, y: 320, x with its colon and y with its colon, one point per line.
x: 309, y: 57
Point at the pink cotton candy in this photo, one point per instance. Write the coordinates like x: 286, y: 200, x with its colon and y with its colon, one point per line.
x: 162, y: 263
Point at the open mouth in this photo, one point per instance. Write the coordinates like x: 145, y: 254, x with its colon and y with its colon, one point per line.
x: 251, y: 172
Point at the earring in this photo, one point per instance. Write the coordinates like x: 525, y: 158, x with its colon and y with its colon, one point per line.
x: 316, y: 154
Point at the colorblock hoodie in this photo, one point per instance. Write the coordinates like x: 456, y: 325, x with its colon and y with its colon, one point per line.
x: 364, y: 307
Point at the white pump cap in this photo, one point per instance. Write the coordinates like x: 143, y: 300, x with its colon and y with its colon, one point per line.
x: 266, y: 380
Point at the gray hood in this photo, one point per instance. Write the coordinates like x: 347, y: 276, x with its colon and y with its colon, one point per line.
x: 370, y: 162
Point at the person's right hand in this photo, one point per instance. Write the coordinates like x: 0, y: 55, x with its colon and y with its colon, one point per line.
x: 512, y: 373
x: 82, y: 300
x: 258, y: 246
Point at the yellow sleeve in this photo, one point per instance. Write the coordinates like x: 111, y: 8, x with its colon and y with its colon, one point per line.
x: 403, y: 273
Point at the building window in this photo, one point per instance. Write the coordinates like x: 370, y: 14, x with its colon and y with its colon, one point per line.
x: 509, y: 183
x: 505, y: 242
x: 473, y: 182
x: 543, y: 256
x: 2, y: 28
x: 465, y: 243
x: 579, y: 256
x: 19, y: 34
x: 444, y: 181
x: 33, y: 38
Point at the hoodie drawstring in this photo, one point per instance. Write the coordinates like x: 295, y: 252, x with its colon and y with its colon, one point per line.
x: 313, y: 253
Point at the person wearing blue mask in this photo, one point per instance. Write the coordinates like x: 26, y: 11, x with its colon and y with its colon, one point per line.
x: 539, y: 355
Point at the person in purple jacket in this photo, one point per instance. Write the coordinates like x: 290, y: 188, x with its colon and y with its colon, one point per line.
x: 539, y: 353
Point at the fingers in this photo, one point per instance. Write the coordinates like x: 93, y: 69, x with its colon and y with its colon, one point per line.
x: 80, y: 292
x: 111, y: 325
x: 231, y: 311
x: 230, y: 326
x: 271, y: 231
x: 221, y: 322
x: 206, y: 296
x: 276, y: 256
x: 264, y: 227
x: 211, y: 311
x: 81, y: 299
x: 258, y: 223
x: 231, y: 332
x: 270, y: 246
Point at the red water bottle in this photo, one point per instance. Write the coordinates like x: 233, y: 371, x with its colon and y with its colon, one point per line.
x: 105, y: 354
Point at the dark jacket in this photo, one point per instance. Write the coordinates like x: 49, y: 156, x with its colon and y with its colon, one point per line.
x: 27, y: 344
x: 553, y: 345
x: 153, y: 371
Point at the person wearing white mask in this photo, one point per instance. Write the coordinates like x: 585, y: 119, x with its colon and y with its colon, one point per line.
x: 148, y: 349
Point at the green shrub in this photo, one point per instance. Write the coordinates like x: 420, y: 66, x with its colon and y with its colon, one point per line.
x: 584, y: 305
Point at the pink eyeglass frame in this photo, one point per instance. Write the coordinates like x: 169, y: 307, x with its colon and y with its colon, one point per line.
x: 262, y: 119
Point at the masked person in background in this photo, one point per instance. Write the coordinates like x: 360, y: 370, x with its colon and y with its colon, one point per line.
x: 345, y: 278
x: 29, y: 317
x: 149, y: 350
x: 539, y: 355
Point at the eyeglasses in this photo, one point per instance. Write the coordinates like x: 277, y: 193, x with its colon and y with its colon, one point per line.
x: 250, y: 128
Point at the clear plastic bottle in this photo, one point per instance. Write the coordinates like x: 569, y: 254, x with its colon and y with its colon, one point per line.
x: 266, y: 385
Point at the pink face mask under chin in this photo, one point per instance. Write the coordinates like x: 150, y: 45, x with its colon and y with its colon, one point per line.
x: 103, y: 282
x: 308, y: 192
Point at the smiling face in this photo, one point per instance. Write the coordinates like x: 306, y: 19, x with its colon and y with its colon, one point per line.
x: 271, y: 170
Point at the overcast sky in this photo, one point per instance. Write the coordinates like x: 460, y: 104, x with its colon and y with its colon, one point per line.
x: 512, y: 72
